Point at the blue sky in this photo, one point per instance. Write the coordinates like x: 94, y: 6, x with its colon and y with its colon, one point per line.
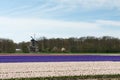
x: 19, y: 19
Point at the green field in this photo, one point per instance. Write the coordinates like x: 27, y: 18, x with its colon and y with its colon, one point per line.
x: 87, y: 77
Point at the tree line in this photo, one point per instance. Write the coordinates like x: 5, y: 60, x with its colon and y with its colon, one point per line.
x: 7, y: 46
x: 89, y: 44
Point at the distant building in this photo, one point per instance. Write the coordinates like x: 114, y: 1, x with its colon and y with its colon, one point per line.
x: 18, y: 50
x: 33, y: 45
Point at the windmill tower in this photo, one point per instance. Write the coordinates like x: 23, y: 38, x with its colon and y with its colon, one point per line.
x: 33, y: 45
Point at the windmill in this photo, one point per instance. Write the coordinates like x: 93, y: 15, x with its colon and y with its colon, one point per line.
x: 33, y: 45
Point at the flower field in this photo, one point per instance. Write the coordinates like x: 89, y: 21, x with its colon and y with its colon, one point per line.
x: 48, y: 69
x: 57, y: 58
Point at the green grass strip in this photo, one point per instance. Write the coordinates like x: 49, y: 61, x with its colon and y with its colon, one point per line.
x: 100, y: 77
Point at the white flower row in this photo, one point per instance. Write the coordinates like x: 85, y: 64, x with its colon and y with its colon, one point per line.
x: 47, y: 69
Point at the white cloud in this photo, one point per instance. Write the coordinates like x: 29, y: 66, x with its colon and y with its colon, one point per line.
x: 61, y: 7
x: 58, y: 7
x: 20, y: 28
x: 90, y: 4
x: 14, y: 10
x: 42, y: 23
x: 108, y: 23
